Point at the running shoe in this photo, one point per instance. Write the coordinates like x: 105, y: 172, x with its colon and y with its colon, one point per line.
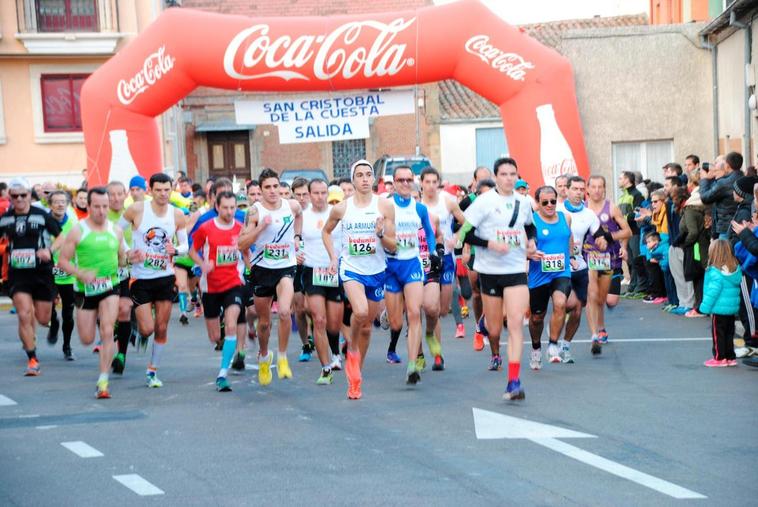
x: 464, y: 312
x: 102, y: 390
x: 660, y: 300
x: 96, y: 349
x: 602, y: 334
x: 384, y: 320
x: 325, y: 378
x: 460, y: 331
x: 496, y: 363
x: 393, y: 358
x: 336, y: 364
x: 238, y: 363
x: 478, y: 341
x: 283, y: 368
x: 566, y: 356
x: 305, y: 354
x: 514, y: 391
x: 219, y: 345
x: 152, y: 380
x: 715, y: 363
x: 731, y: 362
x: 648, y: 299
x: 68, y: 355
x: 118, y: 364
x: 183, y: 319
x: 223, y: 385
x: 353, y: 374
x: 264, y: 369
x: 412, y: 376
x: 439, y: 363
x: 52, y: 333
x: 553, y: 353
x: 694, y: 314
x: 668, y: 308
x: 421, y: 362
x: 275, y: 307
x: 198, y: 311
x: 32, y: 368
x: 681, y: 310
x: 597, y: 347
x: 535, y: 359
x: 434, y: 345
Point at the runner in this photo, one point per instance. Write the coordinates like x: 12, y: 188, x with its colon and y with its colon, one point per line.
x: 29, y: 231
x: 503, y: 220
x: 273, y: 225
x: 550, y: 276
x: 302, y: 196
x: 221, y: 283
x: 323, y: 290
x: 154, y: 225
x: 368, y: 229
x: 404, y: 282
x: 605, y: 265
x: 583, y: 222
x: 64, y: 283
x: 96, y: 247
x: 561, y: 187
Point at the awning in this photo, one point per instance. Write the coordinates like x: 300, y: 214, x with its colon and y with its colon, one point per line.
x: 221, y: 126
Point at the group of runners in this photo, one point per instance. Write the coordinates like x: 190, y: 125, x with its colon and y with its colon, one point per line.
x: 330, y: 259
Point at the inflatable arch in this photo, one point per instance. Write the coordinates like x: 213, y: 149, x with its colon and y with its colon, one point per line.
x: 183, y: 49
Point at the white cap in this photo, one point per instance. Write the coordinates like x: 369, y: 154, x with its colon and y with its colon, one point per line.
x: 357, y: 163
x: 20, y: 183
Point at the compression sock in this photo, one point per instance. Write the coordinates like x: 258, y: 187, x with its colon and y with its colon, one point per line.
x: 227, y: 353
x: 394, y: 337
x: 183, y: 302
x: 334, y: 342
x: 123, y: 334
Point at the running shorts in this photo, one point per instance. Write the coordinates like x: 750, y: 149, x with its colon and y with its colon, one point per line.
x: 539, y: 297
x: 494, y: 285
x: 214, y: 303
x: 153, y: 290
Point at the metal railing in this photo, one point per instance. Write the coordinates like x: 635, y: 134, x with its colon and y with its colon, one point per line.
x: 60, y: 16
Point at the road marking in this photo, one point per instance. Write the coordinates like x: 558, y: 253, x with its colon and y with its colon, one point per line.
x: 642, y: 340
x: 47, y: 427
x: 6, y: 402
x: 82, y: 450
x: 136, y: 483
x: 492, y: 425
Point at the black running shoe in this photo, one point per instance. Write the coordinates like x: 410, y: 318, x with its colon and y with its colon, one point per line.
x: 238, y: 363
x: 184, y: 320
x: 52, y: 333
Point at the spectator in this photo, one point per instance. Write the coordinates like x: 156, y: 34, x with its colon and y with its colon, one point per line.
x: 716, y: 190
x: 691, y: 165
x: 631, y: 199
x: 685, y: 290
x: 674, y: 170
x: 693, y: 240
x: 639, y: 182
x: 80, y: 204
x: 743, y: 196
x: 657, y: 261
x: 746, y: 250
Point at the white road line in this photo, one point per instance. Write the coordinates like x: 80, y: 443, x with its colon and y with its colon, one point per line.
x: 139, y: 485
x: 665, y: 487
x: 47, y: 427
x: 6, y: 402
x: 82, y: 450
x: 643, y: 340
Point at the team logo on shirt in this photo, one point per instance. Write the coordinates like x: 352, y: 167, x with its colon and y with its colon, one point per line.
x: 20, y: 227
x: 287, y: 220
x: 155, y: 238
x: 604, y: 217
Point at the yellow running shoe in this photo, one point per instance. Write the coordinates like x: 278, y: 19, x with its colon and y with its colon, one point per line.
x: 283, y: 368
x: 102, y: 390
x: 264, y: 369
x: 434, y: 345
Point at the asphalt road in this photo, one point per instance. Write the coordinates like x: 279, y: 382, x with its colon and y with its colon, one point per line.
x: 652, y: 406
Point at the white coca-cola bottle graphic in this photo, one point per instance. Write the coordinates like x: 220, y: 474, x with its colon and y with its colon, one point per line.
x: 122, y: 167
x: 556, y: 157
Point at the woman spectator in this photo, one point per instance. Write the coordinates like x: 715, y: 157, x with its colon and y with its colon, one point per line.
x: 684, y: 288
x: 693, y: 239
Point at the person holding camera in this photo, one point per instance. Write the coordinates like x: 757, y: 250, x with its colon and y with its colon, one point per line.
x: 716, y: 189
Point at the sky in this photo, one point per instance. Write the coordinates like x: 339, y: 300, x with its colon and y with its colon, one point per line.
x: 520, y: 12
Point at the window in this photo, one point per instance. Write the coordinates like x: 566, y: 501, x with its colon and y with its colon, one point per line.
x: 66, y: 15
x: 648, y: 157
x: 344, y: 153
x: 490, y: 145
x: 60, y: 102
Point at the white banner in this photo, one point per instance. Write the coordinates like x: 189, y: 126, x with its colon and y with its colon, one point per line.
x: 333, y: 118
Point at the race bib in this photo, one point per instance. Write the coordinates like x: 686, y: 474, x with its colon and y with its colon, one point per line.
x: 553, y: 263
x: 424, y: 254
x: 99, y: 286
x: 406, y: 241
x: 599, y: 261
x: 226, y: 255
x: 276, y: 251
x: 361, y: 246
x: 322, y: 278
x: 123, y: 273
x: 23, y: 258
x: 59, y: 274
x: 156, y: 261
x: 509, y: 237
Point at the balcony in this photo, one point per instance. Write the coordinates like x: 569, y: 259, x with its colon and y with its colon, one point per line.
x: 68, y: 27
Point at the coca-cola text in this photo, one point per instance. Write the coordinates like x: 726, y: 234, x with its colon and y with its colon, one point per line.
x: 156, y: 66
x: 511, y: 64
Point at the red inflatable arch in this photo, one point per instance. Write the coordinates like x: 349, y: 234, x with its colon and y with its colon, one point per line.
x: 183, y: 49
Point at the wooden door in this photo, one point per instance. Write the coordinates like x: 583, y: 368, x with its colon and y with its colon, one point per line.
x: 229, y: 154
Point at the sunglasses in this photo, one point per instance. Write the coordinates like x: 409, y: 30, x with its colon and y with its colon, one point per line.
x: 18, y: 196
x: 403, y: 180
x: 655, y: 201
x: 549, y: 201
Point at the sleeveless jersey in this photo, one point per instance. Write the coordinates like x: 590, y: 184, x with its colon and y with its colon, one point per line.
x: 583, y: 222
x: 97, y: 251
x: 315, y: 251
x: 362, y: 252
x: 441, y: 211
x: 553, y: 241
x: 275, y: 246
x: 114, y: 217
x: 152, y: 236
x: 598, y: 260
x: 61, y: 277
x: 407, y: 224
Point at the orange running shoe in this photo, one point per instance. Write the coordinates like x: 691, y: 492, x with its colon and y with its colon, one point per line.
x: 478, y: 341
x: 102, y: 392
x: 32, y: 368
x: 353, y: 374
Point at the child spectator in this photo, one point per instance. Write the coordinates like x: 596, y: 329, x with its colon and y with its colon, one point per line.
x: 657, y: 262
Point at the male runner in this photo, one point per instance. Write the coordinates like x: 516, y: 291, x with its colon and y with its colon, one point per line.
x: 302, y: 196
x: 273, y: 225
x: 561, y: 187
x: 604, y: 265
x: 368, y: 229
x: 64, y: 283
x: 323, y: 290
x: 503, y: 220
x: 92, y: 252
x: 550, y: 275
x: 29, y: 231
x: 154, y: 225
x: 221, y: 282
x: 253, y: 192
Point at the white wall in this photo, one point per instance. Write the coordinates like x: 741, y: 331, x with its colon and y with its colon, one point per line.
x: 458, y: 150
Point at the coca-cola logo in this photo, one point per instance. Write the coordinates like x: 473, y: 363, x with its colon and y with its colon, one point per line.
x: 512, y: 65
x: 156, y: 66
x: 253, y: 54
x: 552, y: 170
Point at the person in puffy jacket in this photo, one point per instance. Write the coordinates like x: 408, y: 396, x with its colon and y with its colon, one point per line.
x: 721, y: 299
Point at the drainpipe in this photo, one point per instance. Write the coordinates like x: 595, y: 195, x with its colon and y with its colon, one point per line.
x: 747, y: 27
x: 715, y: 97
